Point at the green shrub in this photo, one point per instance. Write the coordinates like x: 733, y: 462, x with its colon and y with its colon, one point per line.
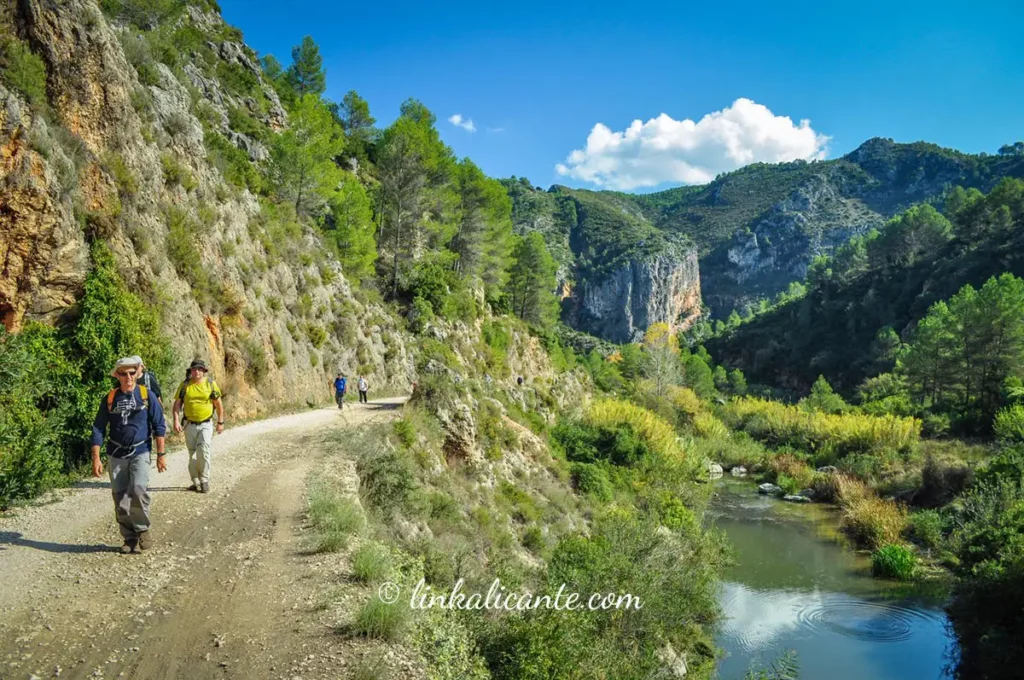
x: 383, y: 621
x: 447, y: 645
x: 927, y: 527
x: 533, y: 538
x: 334, y: 518
x: 1009, y: 424
x: 371, y: 562
x: 124, y: 179
x: 23, y: 71
x: 406, y: 432
x: 280, y: 355
x: 592, y: 480
x: 177, y: 174
x: 893, y: 561
x: 522, y: 506
x: 386, y: 480
x: 241, y: 121
x: 255, y: 359
x: 233, y: 163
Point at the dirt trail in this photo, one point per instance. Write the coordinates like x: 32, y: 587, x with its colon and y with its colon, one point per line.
x: 221, y: 593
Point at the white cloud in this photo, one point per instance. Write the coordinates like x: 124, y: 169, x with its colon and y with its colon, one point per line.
x: 464, y: 123
x: 496, y: 130
x: 667, y: 150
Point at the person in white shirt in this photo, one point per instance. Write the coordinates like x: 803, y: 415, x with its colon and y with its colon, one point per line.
x: 363, y: 387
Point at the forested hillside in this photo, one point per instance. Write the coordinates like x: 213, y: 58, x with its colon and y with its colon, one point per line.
x: 758, y: 229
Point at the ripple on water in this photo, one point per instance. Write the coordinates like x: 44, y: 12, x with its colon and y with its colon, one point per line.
x: 759, y: 619
x: 863, y: 620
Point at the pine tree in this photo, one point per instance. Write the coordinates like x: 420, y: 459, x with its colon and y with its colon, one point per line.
x: 354, y: 115
x: 302, y: 163
x: 306, y: 74
x: 402, y: 179
x: 532, y: 281
x: 483, y: 240
x: 353, y: 229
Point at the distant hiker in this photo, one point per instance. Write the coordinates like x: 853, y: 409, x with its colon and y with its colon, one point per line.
x: 340, y: 385
x: 133, y: 415
x: 363, y: 387
x: 198, y: 397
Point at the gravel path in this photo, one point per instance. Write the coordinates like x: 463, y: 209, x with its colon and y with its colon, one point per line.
x: 218, y: 596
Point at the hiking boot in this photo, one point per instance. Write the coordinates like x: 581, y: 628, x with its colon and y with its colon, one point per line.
x: 128, y: 547
x: 204, y: 488
x: 194, y: 487
x: 145, y: 541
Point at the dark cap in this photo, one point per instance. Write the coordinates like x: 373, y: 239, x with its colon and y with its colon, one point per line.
x: 198, y: 363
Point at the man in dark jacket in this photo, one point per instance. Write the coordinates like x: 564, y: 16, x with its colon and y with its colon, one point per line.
x: 133, y: 415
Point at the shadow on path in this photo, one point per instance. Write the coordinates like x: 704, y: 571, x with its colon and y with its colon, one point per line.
x: 373, y: 406
x: 8, y: 538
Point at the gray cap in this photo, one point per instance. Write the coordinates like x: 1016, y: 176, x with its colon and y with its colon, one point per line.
x: 126, y: 361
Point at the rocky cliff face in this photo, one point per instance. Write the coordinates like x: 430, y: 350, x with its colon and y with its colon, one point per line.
x: 660, y: 289
x: 129, y: 160
x: 778, y: 246
x: 616, y: 274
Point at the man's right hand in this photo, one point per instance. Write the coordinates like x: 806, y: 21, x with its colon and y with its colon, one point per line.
x: 97, y: 467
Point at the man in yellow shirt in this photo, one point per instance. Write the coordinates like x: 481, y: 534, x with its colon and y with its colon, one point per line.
x: 198, y: 397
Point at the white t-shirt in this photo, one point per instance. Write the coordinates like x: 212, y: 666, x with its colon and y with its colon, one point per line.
x: 362, y: 385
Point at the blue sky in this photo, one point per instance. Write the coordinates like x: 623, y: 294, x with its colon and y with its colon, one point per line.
x: 546, y: 74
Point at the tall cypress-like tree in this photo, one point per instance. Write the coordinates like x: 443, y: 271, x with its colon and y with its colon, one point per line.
x: 306, y: 74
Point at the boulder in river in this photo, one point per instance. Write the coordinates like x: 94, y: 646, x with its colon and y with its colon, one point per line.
x: 796, y: 499
x: 715, y: 470
x: 806, y: 493
x: 739, y: 471
x: 769, y: 489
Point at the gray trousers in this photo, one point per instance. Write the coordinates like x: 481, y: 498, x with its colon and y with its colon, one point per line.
x: 199, y: 441
x: 129, y: 478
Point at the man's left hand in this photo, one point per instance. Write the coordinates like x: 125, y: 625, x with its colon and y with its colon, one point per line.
x: 161, y: 464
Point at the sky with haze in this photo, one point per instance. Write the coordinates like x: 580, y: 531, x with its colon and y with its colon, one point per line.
x: 646, y: 96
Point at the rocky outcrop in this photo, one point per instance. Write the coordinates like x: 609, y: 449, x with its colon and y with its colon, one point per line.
x: 778, y: 246
x: 124, y: 159
x: 664, y: 288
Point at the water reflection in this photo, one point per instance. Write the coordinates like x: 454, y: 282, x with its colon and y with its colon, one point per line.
x: 795, y: 587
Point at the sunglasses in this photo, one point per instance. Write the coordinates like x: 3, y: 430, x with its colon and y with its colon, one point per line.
x: 125, y: 374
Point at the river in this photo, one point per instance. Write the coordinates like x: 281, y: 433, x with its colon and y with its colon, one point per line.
x: 796, y: 586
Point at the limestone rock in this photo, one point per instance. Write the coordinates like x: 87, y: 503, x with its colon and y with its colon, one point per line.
x: 769, y: 489
x: 661, y: 289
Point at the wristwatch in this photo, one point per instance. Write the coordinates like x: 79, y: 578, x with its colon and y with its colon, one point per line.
x: 220, y: 422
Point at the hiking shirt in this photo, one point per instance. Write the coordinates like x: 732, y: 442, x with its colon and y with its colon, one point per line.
x: 132, y: 422
x: 197, y: 399
x: 362, y: 385
x: 339, y: 385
